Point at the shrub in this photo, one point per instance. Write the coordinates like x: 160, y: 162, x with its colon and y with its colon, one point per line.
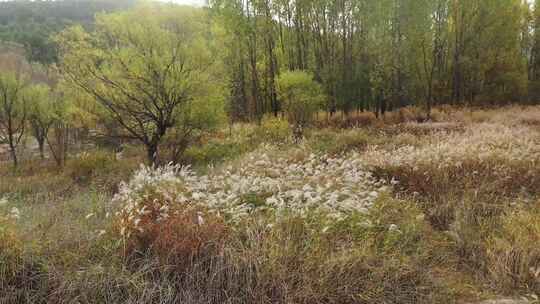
x: 404, y: 115
x: 100, y: 168
x: 362, y: 119
x: 424, y: 129
x: 288, y: 252
x: 480, y: 116
x: 334, y: 143
x: 301, y: 97
x: 86, y: 165
x: 213, y: 152
x: 352, y: 120
x: 273, y: 130
x: 180, y: 240
x: 295, y: 184
x: 439, y: 115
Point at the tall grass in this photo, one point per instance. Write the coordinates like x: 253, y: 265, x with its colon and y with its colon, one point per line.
x: 456, y: 219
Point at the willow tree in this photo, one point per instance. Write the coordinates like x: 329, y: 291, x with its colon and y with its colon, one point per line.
x: 13, y: 112
x: 147, y: 68
x: 302, y: 97
x: 38, y: 99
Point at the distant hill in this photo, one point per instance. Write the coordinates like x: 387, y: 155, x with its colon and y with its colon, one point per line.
x: 31, y: 23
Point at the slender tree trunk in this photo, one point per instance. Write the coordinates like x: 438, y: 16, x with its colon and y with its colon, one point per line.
x: 152, y: 153
x: 13, y: 152
x: 41, y: 144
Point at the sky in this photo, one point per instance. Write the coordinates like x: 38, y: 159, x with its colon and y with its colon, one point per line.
x: 189, y: 2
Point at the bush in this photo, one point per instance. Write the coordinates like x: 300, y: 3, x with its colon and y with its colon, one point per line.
x: 87, y: 165
x: 331, y: 142
x: 179, y: 241
x: 261, y: 254
x: 212, y: 152
x: 362, y: 119
x: 439, y: 115
x: 153, y: 221
x: 273, y: 130
x: 403, y: 115
x: 437, y: 183
x: 224, y: 145
x: 99, y: 168
x: 301, y: 97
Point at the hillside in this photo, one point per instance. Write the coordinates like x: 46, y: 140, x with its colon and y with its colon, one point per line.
x: 31, y: 23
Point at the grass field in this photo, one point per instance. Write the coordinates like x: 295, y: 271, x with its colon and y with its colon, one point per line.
x: 363, y: 210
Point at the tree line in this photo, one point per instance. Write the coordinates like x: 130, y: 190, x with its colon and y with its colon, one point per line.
x: 163, y: 74
x: 385, y: 54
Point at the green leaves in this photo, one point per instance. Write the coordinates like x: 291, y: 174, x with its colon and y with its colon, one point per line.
x: 149, y: 69
x: 301, y: 96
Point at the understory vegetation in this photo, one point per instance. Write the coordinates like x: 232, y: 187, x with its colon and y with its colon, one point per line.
x: 391, y: 212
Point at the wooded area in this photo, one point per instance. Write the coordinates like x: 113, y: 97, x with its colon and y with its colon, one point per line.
x: 32, y: 23
x: 382, y: 55
x: 369, y: 55
x: 166, y: 71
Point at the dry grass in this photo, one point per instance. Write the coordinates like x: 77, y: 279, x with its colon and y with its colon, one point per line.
x: 461, y: 222
x: 513, y: 254
x: 492, y: 158
x: 180, y: 239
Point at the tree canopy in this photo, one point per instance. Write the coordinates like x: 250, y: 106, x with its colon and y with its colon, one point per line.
x: 149, y: 69
x: 381, y: 55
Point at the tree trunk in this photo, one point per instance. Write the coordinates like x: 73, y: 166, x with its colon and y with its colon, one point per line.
x: 13, y: 152
x: 59, y: 148
x: 152, y: 153
x: 41, y: 144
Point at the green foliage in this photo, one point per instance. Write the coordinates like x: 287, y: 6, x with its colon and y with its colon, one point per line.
x: 41, y: 112
x: 336, y: 142
x: 39, y: 101
x: 147, y: 90
x: 214, y: 152
x: 50, y: 110
x: 32, y: 23
x: 300, y: 96
x: 273, y: 130
x: 87, y: 165
x: 99, y: 169
x: 13, y: 111
x: 382, y: 55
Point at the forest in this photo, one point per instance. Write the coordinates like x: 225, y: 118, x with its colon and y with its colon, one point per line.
x: 270, y: 151
x: 382, y: 55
